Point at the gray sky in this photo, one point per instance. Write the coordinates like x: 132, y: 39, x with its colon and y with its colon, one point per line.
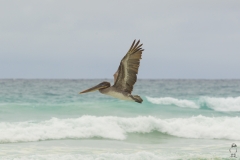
x: 87, y: 39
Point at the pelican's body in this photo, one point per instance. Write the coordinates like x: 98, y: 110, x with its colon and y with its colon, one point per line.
x: 113, y: 92
x: 124, y: 78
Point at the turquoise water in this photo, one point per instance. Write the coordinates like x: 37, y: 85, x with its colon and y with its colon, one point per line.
x: 178, y: 119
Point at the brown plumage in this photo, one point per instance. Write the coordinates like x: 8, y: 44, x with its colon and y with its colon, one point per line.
x: 124, y: 78
x: 126, y: 75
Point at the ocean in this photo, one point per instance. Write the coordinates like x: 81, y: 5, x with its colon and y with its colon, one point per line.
x: 178, y: 119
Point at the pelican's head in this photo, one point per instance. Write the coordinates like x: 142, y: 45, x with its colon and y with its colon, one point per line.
x: 97, y: 87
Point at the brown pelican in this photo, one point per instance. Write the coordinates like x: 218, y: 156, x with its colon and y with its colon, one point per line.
x: 124, y: 78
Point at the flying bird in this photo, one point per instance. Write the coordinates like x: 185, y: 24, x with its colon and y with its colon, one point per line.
x: 124, y: 78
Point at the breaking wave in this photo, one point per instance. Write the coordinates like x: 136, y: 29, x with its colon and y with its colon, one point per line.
x: 217, y: 104
x: 117, y: 128
x: 222, y: 104
x: 173, y: 101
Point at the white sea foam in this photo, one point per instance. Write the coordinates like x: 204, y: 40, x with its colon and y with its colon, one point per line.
x: 174, y: 101
x: 143, y: 155
x: 218, y: 104
x: 117, y: 128
x: 103, y: 156
x: 222, y: 104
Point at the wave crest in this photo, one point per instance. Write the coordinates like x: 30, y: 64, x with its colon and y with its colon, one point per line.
x: 217, y: 104
x: 117, y: 128
x: 221, y: 104
x: 174, y: 101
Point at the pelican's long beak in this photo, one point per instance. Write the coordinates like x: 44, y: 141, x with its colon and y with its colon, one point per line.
x: 97, y: 87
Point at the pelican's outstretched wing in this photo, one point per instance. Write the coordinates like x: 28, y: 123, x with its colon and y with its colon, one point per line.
x: 126, y: 75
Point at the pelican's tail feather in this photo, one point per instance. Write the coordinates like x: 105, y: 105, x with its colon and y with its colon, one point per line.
x: 137, y: 98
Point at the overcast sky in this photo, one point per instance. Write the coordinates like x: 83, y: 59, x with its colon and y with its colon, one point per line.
x: 87, y: 39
